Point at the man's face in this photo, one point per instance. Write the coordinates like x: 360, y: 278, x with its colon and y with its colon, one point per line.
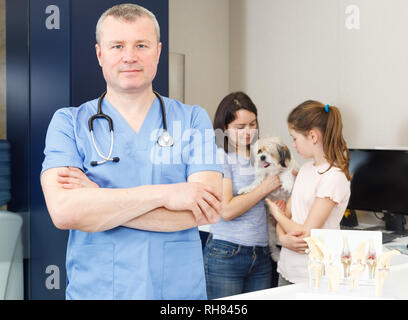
x: 128, y: 53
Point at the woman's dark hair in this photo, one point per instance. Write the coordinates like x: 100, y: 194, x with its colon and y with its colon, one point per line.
x: 226, y: 113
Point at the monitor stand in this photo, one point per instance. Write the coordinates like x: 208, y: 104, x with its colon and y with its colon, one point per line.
x: 395, y: 222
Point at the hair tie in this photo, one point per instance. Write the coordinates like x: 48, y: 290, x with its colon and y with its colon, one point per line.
x: 326, y: 108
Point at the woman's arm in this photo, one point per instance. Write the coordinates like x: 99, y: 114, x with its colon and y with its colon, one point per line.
x: 318, y: 214
x: 235, y: 206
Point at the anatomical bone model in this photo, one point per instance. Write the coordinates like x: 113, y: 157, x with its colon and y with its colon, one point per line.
x: 319, y: 257
x: 333, y: 271
x: 358, y: 264
x: 384, y: 269
x: 315, y: 261
x: 371, y: 260
x: 346, y: 257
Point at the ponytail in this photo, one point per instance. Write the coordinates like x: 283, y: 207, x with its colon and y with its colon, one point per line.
x: 334, y: 145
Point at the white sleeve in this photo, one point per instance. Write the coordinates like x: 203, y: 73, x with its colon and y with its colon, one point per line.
x: 333, y: 185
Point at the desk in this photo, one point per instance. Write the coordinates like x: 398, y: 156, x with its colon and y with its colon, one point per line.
x: 395, y: 286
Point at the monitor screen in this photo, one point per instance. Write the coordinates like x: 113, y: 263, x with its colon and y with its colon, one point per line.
x: 380, y: 180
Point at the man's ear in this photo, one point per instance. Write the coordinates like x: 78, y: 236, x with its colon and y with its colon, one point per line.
x: 159, y: 49
x: 98, y: 53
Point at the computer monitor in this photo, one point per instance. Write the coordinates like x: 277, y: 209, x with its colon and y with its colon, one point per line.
x: 380, y: 184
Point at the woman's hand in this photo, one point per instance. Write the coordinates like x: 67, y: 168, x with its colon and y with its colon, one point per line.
x: 270, y: 183
x: 74, y: 178
x: 294, y: 241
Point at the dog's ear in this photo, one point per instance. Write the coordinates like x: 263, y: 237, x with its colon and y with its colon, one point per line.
x: 284, y: 155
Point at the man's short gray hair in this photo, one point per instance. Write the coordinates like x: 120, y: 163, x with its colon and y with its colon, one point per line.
x: 129, y: 12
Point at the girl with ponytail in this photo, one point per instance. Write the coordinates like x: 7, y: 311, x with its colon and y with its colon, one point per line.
x: 322, y: 187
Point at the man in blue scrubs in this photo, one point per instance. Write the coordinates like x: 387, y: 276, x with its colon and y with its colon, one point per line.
x: 136, y: 236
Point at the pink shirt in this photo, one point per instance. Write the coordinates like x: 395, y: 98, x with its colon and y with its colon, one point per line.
x: 308, y: 186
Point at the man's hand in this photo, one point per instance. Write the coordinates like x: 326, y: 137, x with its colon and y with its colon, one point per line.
x: 203, y: 200
x: 73, y: 178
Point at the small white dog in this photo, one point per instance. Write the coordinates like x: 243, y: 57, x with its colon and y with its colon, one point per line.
x: 272, y: 157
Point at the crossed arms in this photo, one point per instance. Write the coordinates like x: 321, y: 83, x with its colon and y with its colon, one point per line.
x: 164, y: 208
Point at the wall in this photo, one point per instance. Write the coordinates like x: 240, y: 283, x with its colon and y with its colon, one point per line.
x: 3, y: 117
x: 284, y: 52
x: 200, y: 30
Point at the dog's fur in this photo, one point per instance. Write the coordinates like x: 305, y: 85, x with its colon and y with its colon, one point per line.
x: 272, y: 157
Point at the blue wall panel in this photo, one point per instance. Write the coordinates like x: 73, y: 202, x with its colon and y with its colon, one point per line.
x: 18, y: 100
x: 50, y: 53
x: 18, y: 106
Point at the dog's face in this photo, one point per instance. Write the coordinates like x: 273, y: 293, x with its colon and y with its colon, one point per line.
x: 271, y: 153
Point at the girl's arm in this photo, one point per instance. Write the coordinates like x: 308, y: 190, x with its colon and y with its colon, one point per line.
x: 236, y: 206
x: 288, y: 209
x: 318, y: 214
x: 288, y: 213
x: 291, y: 240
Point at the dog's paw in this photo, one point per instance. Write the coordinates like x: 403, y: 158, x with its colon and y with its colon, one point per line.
x: 287, y: 186
x: 245, y: 190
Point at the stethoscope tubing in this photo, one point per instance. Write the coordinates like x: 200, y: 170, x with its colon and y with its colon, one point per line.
x: 108, y: 158
x: 164, y: 136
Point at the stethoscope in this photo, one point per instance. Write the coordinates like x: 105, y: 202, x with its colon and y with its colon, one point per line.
x: 164, y: 140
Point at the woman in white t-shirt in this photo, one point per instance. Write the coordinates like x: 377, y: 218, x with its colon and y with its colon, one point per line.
x: 322, y: 187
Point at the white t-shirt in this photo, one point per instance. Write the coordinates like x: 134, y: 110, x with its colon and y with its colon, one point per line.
x: 309, y: 185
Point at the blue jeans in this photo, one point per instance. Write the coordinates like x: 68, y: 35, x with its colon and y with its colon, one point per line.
x: 233, y: 269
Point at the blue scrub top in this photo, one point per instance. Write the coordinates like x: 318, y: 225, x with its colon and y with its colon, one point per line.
x: 125, y: 263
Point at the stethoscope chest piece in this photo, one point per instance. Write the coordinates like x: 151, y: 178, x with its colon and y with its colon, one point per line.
x: 165, y: 140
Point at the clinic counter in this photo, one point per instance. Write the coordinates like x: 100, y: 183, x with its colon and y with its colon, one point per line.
x: 395, y: 286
